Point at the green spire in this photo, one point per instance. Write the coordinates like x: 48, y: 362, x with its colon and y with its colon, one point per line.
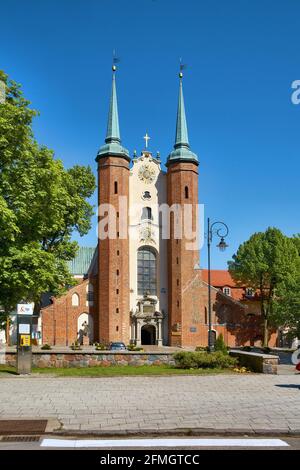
x: 182, y: 137
x: 112, y: 144
x: 113, y: 131
x: 181, y: 150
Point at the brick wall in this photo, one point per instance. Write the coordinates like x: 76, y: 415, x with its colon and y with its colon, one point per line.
x: 60, y: 319
x: 181, y: 260
x: 113, y: 259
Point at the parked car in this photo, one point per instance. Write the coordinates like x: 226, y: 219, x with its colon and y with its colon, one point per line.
x: 117, y: 346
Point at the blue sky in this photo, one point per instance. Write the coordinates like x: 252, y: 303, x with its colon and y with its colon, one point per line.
x: 242, y: 57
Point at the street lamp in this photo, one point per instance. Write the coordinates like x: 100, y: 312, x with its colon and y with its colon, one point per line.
x: 221, y: 232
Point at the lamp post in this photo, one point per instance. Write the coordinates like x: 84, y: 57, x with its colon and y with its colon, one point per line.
x: 221, y: 230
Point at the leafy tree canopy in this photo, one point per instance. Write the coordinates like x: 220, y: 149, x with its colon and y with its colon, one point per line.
x: 41, y: 205
x: 266, y: 262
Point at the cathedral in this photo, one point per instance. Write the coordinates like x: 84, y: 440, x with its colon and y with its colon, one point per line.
x: 143, y: 284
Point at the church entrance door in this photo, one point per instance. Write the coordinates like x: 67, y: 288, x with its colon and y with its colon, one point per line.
x: 148, y: 334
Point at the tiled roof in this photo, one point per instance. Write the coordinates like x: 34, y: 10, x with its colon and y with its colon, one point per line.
x: 82, y: 261
x: 218, y: 278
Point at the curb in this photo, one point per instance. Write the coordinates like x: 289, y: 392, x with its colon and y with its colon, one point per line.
x: 178, y: 432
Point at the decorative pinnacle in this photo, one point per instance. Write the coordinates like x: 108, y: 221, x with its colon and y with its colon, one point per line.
x: 114, y: 68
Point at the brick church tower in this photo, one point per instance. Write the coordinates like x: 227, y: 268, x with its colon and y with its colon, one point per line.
x: 182, y: 189
x: 113, y: 252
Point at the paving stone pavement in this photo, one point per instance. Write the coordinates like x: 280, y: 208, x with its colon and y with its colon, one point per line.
x: 245, y: 403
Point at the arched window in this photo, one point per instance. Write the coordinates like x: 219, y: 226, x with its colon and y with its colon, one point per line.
x: 89, y: 295
x: 75, y: 300
x: 186, y: 192
x: 147, y: 213
x: 147, y: 269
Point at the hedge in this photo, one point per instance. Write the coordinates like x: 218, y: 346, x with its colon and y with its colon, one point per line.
x: 199, y: 360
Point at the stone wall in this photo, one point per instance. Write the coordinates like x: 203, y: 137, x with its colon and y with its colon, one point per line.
x: 95, y: 358
x: 264, y: 363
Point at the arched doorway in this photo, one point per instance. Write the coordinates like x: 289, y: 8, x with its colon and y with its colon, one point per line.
x: 148, y: 334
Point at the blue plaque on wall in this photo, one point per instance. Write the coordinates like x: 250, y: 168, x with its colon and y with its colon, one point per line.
x: 193, y: 329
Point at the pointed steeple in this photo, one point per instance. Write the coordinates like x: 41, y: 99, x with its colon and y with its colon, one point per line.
x: 181, y: 137
x: 113, y: 131
x: 112, y: 144
x: 181, y: 150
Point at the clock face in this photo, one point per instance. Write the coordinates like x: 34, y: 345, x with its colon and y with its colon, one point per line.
x: 146, y: 173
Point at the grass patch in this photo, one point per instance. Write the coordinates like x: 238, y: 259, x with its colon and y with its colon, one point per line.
x: 114, y: 371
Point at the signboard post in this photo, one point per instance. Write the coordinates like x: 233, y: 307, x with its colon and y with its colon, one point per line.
x: 24, y: 330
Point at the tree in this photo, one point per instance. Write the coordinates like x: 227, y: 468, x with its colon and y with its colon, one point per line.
x: 266, y: 262
x: 41, y: 205
x: 287, y: 301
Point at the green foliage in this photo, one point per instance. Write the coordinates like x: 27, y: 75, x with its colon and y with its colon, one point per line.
x: 201, y: 348
x: 286, y: 309
x: 41, y: 205
x: 100, y: 347
x: 76, y: 346
x: 220, y: 344
x: 196, y: 360
x: 46, y: 347
x: 268, y: 262
x: 133, y: 347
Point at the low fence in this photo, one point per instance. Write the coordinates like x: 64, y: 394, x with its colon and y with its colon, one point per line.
x: 93, y: 358
x: 257, y: 362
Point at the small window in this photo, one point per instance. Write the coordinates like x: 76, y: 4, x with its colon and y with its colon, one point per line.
x: 118, y: 214
x: 147, y: 213
x: 249, y: 292
x: 118, y: 253
x: 146, y: 195
x: 118, y: 234
x: 186, y: 192
x: 117, y: 328
x: 89, y: 295
x: 205, y: 315
x: 117, y: 291
x: 177, y: 303
x: 75, y: 300
x: 116, y: 187
x: 117, y: 272
x: 177, y: 282
x: 177, y: 260
x: 117, y: 310
x: 227, y: 291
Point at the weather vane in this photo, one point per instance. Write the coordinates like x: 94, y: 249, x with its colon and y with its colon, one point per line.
x: 181, y: 67
x: 115, y: 61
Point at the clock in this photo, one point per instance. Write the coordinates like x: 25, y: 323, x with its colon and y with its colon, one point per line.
x: 146, y: 174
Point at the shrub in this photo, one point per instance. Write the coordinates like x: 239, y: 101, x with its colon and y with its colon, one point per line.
x: 75, y: 346
x: 100, y: 346
x: 133, y: 347
x: 201, y: 348
x: 220, y: 344
x: 198, y: 360
x: 46, y: 347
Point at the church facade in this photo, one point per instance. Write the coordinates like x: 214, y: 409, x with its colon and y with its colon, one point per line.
x: 143, y: 284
